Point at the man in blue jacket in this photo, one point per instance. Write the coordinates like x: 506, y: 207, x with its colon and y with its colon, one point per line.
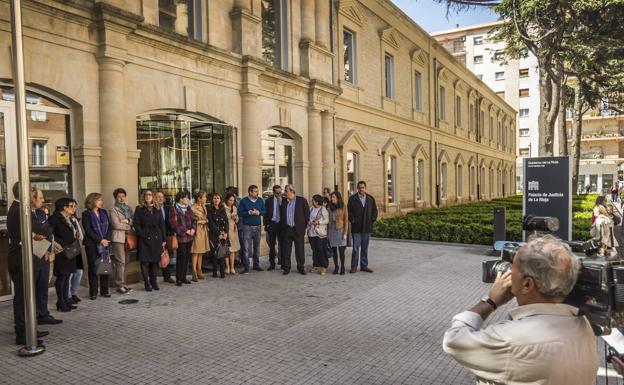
x: 251, y: 210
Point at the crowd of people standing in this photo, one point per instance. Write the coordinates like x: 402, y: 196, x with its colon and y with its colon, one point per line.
x: 181, y: 234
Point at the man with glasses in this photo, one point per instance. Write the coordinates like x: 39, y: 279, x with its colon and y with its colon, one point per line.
x: 251, y: 210
x: 272, y: 225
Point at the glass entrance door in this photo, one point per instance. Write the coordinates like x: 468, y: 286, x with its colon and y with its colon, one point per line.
x: 5, y: 281
x: 277, y: 160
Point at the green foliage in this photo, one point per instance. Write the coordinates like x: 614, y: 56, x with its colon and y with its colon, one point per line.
x: 472, y: 223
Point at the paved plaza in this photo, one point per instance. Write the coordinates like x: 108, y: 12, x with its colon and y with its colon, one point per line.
x: 265, y: 328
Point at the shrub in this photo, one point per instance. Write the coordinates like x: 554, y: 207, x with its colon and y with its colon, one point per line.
x: 472, y: 223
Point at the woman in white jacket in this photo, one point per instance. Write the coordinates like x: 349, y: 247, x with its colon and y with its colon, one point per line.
x: 317, y: 233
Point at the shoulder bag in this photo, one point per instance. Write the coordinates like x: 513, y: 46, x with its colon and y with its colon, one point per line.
x: 223, y: 250
x: 103, y: 264
x: 164, y: 259
x: 72, y: 250
x: 131, y: 240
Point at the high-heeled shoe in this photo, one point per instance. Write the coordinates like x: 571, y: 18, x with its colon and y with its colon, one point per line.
x: 342, y: 270
x: 335, y: 270
x: 148, y: 287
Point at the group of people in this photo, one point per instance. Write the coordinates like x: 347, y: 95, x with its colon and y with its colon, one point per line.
x: 182, y: 232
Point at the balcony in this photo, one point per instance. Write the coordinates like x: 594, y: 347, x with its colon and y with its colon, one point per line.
x: 592, y: 154
x: 600, y: 135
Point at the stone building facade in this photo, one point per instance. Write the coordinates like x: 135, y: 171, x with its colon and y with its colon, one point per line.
x: 203, y: 94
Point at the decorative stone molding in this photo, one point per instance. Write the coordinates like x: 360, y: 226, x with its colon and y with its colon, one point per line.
x: 419, y: 152
x: 392, y: 146
x: 351, y: 10
x: 352, y: 136
x: 419, y: 57
x: 444, y: 156
x: 391, y: 37
x: 459, y: 159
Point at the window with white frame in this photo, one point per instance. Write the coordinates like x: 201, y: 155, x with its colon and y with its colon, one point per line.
x: 524, y: 151
x: 477, y: 40
x: 523, y: 72
x: 182, y: 16
x: 523, y: 112
x: 442, y: 99
x: 500, y: 75
x: 524, y: 132
x: 418, y: 91
x: 353, y: 171
x: 443, y: 181
x: 389, y: 75
x: 275, y: 32
x: 39, y: 152
x: 350, y: 57
x: 459, y: 181
x: 478, y: 59
x: 420, y: 177
x: 391, y: 178
x: 458, y: 108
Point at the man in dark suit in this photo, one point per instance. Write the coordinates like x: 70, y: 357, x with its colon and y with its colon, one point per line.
x: 362, y: 214
x: 15, y: 261
x: 159, y: 200
x: 272, y: 225
x: 294, y: 215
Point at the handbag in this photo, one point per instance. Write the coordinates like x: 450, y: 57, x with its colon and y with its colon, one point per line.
x: 164, y: 259
x: 223, y: 250
x: 103, y: 264
x: 172, y: 242
x: 72, y: 250
x: 131, y: 240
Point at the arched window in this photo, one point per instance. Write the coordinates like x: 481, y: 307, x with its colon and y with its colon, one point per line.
x: 459, y: 181
x: 420, y: 180
x: 277, y: 159
x: 391, y: 179
x: 353, y: 171
x: 472, y: 181
x: 443, y: 181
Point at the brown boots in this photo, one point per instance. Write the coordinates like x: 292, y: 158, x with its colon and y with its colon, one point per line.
x: 197, y: 267
x: 200, y: 274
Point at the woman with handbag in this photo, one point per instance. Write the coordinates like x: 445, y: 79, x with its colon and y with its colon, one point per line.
x: 338, y: 229
x: 232, y: 217
x: 66, y: 232
x: 121, y: 223
x: 150, y: 230
x: 317, y: 232
x: 183, y: 225
x: 218, y: 223
x: 200, y: 242
x: 97, y: 235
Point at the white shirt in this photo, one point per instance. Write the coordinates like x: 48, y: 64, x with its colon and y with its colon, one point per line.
x: 541, y: 344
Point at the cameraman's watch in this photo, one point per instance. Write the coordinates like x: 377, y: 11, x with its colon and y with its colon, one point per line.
x: 489, y: 301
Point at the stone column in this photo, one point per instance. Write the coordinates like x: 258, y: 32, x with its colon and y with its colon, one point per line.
x: 322, y: 22
x: 308, y: 29
x: 314, y: 151
x: 250, y: 138
x: 246, y: 29
x: 112, y: 134
x: 329, y: 166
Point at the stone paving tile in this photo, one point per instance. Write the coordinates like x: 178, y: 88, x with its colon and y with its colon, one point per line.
x: 265, y: 328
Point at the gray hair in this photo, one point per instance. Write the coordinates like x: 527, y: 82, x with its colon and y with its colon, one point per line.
x: 289, y: 187
x: 551, y: 264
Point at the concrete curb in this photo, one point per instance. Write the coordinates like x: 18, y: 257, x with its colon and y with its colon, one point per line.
x: 433, y: 243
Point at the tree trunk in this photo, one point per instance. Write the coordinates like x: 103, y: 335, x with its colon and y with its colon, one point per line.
x: 561, y: 122
x: 549, y: 107
x: 577, y: 129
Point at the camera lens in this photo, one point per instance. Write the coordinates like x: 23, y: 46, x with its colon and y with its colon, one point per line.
x: 500, y: 267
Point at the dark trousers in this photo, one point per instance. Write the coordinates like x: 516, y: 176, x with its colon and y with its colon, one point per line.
x: 18, y: 303
x: 273, y: 234
x: 320, y: 248
x: 336, y: 251
x: 182, y: 260
x: 62, y: 290
x: 149, y: 271
x: 42, y: 278
x: 217, y: 264
x: 93, y: 278
x: 288, y: 238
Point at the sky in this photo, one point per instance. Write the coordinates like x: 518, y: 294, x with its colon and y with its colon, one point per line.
x: 432, y: 17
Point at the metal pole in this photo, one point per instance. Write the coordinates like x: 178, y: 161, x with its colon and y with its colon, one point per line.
x: 31, y: 348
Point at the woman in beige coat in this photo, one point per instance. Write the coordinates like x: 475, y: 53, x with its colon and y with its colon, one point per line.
x: 200, y: 242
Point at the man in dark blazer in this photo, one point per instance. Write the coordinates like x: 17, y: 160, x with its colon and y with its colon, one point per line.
x: 159, y: 200
x: 362, y: 215
x: 294, y: 215
x: 15, y: 263
x: 272, y: 225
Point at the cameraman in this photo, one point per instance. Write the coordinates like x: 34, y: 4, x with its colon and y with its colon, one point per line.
x: 544, y: 341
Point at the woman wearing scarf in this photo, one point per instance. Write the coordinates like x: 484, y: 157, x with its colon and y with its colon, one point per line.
x: 97, y: 232
x: 184, y: 227
x: 66, y: 233
x: 121, y: 222
x: 218, y: 222
x: 150, y: 229
x: 200, y: 242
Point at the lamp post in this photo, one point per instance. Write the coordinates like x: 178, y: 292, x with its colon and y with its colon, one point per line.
x: 31, y: 348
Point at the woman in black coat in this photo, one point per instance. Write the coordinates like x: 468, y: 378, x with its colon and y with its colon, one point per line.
x: 218, y: 231
x: 66, y: 232
x: 150, y: 230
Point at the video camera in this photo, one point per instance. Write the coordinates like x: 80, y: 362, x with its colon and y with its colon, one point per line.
x: 599, y: 288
